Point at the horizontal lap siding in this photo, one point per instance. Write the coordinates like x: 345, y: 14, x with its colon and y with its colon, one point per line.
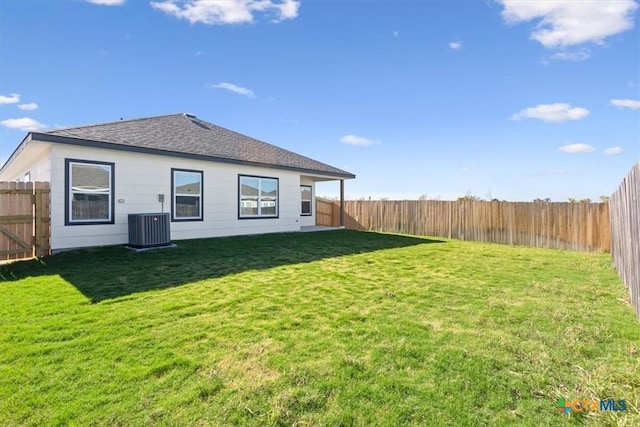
x: 139, y: 178
x: 308, y: 220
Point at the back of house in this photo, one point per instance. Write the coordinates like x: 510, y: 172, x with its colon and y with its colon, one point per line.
x: 210, y: 180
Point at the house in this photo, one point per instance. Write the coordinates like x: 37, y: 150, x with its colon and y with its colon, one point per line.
x: 212, y: 181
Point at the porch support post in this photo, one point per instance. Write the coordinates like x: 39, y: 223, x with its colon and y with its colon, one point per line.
x: 342, y: 203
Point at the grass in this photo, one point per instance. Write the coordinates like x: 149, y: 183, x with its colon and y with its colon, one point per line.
x: 333, y: 328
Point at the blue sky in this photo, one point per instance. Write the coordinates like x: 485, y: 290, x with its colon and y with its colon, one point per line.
x: 506, y: 99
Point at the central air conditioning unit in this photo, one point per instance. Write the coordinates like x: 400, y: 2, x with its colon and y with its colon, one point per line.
x: 148, y: 230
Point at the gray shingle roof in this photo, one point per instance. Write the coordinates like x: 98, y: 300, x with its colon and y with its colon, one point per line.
x: 184, y: 135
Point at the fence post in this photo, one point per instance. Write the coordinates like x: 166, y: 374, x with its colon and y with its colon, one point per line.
x: 342, y: 203
x: 624, y: 211
x: 551, y: 225
x: 450, y: 217
x: 42, y: 218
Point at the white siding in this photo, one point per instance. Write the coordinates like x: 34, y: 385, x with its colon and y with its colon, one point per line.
x: 309, y: 220
x: 33, y: 160
x: 139, y: 178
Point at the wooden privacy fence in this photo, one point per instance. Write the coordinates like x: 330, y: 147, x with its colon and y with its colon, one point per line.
x: 327, y: 212
x: 573, y: 226
x: 24, y: 220
x: 625, y: 233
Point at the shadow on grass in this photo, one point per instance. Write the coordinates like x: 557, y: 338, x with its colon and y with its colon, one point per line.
x: 113, y: 272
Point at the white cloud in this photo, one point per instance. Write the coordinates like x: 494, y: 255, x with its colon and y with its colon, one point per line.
x: 228, y: 11
x: 613, y: 150
x: 14, y: 98
x: 288, y: 10
x: 467, y: 169
x: 233, y: 88
x: 558, y: 112
x: 29, y: 106
x: 25, y: 123
x: 626, y: 103
x: 577, y: 148
x: 562, y: 23
x: 357, y: 140
x: 108, y: 2
x: 455, y: 45
x: 576, y: 55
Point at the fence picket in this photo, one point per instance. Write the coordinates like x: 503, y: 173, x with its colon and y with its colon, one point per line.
x: 573, y: 226
x: 24, y: 220
x: 625, y: 233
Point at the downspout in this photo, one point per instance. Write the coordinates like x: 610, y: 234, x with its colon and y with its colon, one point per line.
x: 342, y: 203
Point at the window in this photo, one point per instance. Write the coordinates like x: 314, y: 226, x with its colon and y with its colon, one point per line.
x: 186, y: 195
x: 258, y: 197
x: 305, y: 197
x: 88, y: 192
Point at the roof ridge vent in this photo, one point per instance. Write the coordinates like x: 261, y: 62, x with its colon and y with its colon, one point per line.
x: 190, y: 116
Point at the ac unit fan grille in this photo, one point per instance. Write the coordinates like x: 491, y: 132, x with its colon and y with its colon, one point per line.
x: 149, y: 230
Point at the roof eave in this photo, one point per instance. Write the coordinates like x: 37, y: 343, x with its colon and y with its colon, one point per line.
x: 45, y: 137
x: 17, y: 151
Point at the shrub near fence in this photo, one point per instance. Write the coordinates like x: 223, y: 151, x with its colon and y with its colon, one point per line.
x: 573, y: 226
x: 625, y: 233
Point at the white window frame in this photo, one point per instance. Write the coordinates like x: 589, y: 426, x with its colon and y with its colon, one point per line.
x: 259, y: 199
x: 175, y: 195
x: 70, y: 192
x: 310, y: 200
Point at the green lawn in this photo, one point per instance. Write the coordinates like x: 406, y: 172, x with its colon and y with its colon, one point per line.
x: 332, y: 328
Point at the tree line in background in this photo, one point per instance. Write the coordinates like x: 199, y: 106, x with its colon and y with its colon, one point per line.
x: 471, y: 198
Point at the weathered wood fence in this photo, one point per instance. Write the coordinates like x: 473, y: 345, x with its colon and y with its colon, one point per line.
x: 625, y: 233
x: 573, y: 226
x: 327, y: 212
x: 24, y: 220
